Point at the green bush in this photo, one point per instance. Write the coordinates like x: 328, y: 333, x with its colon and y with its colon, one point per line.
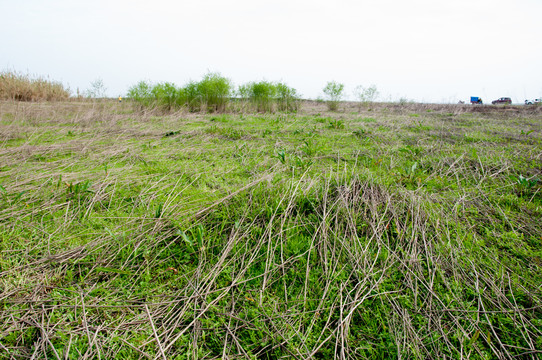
x: 334, y: 93
x: 214, y: 92
x: 265, y: 96
x: 287, y: 98
x: 243, y: 94
x: 262, y: 94
x: 141, y: 94
x: 166, y: 96
x: 192, y: 97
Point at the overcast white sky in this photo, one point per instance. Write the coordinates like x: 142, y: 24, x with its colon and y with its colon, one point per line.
x: 424, y: 50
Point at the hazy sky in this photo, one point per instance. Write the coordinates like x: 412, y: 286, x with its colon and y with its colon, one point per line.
x: 424, y: 50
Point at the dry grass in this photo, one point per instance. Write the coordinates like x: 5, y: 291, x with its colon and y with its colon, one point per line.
x: 19, y: 87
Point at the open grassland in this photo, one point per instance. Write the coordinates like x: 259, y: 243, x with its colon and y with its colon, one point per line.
x: 395, y: 232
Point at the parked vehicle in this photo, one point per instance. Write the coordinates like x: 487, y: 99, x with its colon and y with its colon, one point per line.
x: 503, y: 100
x: 535, y: 101
x: 475, y: 100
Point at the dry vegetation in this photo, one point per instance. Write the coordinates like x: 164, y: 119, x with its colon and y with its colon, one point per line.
x: 20, y: 87
x: 403, y: 231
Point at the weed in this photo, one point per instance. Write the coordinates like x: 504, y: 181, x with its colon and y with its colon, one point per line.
x: 281, y: 155
x: 159, y: 211
x: 78, y: 188
x: 302, y: 163
x: 172, y: 133
x: 526, y: 186
x: 309, y: 147
x: 221, y: 118
x: 336, y: 124
x: 526, y: 133
x: 361, y: 133
x: 414, y: 152
x: 227, y: 132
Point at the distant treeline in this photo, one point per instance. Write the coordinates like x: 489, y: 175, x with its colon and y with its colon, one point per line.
x: 20, y: 87
x: 215, y: 93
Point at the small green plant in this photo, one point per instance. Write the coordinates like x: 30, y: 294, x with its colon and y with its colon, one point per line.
x: 411, y: 175
x: 302, y: 163
x: 281, y: 155
x: 334, y: 92
x: 78, y: 191
x: 223, y: 118
x: 159, y: 211
x: 226, y: 132
x: 411, y: 171
x: 309, y: 147
x: 336, y: 124
x: 526, y: 185
x: 172, y: 133
x: 361, y: 133
x: 322, y: 120
x: 411, y: 151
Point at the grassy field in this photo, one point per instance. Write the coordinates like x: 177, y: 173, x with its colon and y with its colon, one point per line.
x: 401, y: 231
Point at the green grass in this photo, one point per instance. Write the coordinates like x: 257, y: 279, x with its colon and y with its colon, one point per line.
x: 128, y: 235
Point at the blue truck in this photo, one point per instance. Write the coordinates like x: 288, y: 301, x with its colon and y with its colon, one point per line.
x: 475, y: 100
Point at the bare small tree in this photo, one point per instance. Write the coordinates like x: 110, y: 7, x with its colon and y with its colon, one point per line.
x: 97, y: 89
x: 365, y: 95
